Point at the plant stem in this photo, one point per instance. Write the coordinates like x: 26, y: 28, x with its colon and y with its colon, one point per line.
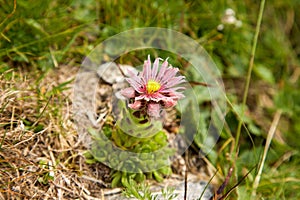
x: 246, y: 90
x: 251, y: 64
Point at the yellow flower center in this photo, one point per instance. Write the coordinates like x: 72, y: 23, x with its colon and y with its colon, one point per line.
x: 152, y: 86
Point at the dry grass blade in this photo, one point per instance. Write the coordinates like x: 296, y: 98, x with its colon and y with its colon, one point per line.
x: 267, y: 146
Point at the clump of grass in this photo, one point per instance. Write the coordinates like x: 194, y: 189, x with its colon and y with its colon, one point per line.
x: 39, y: 153
x: 143, y: 192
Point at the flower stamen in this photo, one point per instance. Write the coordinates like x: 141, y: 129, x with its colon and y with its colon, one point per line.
x: 152, y: 86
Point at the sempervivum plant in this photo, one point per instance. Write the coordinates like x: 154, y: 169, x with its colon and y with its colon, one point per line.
x: 138, y: 130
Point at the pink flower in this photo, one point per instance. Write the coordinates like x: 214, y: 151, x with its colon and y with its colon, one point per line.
x: 154, y: 88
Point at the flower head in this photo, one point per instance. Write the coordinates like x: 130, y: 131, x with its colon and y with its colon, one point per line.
x: 154, y: 88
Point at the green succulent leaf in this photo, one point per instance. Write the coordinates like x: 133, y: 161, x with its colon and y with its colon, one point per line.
x: 124, y: 179
x: 116, y: 179
x: 157, y: 176
x: 140, y: 177
x: 165, y: 170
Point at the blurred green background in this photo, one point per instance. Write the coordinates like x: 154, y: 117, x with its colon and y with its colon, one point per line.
x: 38, y: 36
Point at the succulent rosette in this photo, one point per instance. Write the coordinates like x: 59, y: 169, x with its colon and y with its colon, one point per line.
x: 155, y: 88
x: 136, y: 143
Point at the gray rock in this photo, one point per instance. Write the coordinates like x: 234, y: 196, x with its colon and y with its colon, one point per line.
x: 112, y: 73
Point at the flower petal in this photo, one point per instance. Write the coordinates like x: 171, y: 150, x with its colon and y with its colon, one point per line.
x: 157, y: 97
x: 136, y: 105
x: 131, y: 73
x: 155, y: 68
x: 173, y: 89
x: 128, y: 92
x: 135, y: 77
x: 147, y: 69
x: 170, y: 73
x: 143, y: 96
x: 168, y: 103
x: 176, y: 95
x: 175, y: 81
x: 137, y: 86
x: 162, y: 70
